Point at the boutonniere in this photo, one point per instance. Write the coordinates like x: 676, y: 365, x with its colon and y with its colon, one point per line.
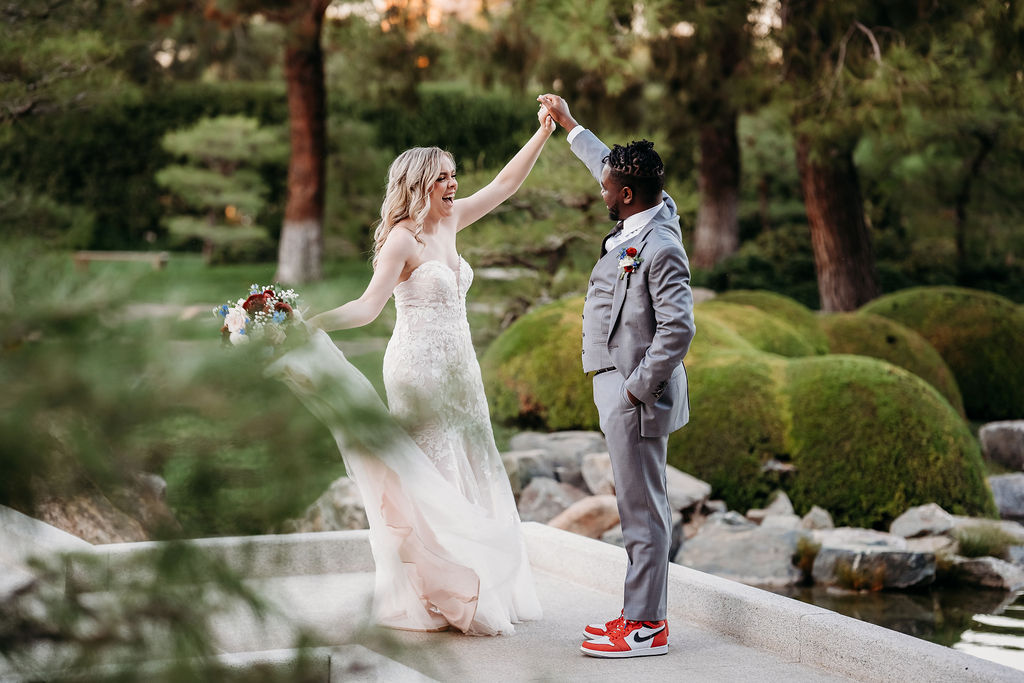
x: 628, y: 261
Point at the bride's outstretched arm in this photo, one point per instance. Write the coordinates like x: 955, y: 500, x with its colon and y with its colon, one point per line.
x: 399, y: 246
x: 509, y: 179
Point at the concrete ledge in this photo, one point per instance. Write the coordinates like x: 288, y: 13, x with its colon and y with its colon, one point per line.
x: 22, y: 537
x: 255, y: 557
x: 797, y: 631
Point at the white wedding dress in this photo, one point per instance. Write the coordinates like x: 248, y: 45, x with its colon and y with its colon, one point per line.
x: 444, y: 528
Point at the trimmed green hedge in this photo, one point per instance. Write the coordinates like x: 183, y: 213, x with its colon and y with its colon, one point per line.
x: 789, y: 310
x: 534, y: 371
x: 763, y: 331
x: 870, y: 440
x: 978, y: 334
x: 867, y: 439
x: 863, y: 334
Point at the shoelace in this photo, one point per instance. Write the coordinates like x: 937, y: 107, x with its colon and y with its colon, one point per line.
x: 622, y: 628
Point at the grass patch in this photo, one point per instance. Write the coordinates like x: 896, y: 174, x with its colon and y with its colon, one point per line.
x: 985, y: 540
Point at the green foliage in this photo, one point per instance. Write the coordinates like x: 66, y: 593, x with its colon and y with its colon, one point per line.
x: 806, y: 552
x: 780, y: 260
x: 864, y: 334
x: 534, y: 374
x: 479, y: 129
x: 26, y: 214
x: 859, y: 578
x: 89, y: 402
x: 984, y: 540
x: 979, y: 335
x: 105, y: 158
x: 799, y: 317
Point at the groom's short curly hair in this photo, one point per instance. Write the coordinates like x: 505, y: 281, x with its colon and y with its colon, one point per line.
x: 638, y: 166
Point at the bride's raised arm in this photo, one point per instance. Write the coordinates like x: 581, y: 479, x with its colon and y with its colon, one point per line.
x: 474, y: 207
x: 397, y: 250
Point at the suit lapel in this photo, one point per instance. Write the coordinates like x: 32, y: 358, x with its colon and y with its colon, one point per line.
x: 619, y: 295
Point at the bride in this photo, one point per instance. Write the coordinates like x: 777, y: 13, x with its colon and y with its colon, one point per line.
x: 444, y: 528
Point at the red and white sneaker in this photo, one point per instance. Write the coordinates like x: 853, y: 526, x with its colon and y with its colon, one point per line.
x: 600, y: 630
x: 630, y: 639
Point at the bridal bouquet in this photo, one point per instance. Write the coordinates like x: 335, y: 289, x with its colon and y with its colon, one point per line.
x: 267, y: 315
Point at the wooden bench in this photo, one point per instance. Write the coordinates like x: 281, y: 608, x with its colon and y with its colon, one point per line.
x: 158, y: 259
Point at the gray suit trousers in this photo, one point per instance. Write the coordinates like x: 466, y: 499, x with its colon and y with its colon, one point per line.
x: 638, y: 465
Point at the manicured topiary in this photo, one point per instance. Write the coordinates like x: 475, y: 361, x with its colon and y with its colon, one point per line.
x: 866, y: 439
x: 870, y: 440
x: 979, y: 335
x: 790, y: 310
x: 533, y: 371
x: 763, y: 331
x: 713, y: 336
x: 863, y: 334
x: 737, y: 424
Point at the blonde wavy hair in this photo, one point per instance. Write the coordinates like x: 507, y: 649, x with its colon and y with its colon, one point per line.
x: 410, y: 180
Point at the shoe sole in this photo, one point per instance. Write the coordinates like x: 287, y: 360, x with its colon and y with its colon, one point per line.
x: 646, y: 652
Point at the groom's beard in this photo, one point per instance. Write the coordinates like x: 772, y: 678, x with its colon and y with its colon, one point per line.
x: 614, y: 214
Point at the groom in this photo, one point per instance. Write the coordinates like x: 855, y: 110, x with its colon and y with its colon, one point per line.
x: 637, y: 327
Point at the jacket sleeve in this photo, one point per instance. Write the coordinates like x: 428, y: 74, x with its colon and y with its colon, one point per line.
x: 591, y: 151
x: 668, y: 280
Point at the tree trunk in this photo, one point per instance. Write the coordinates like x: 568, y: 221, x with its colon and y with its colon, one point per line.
x: 718, y: 231
x: 963, y: 198
x: 843, y: 256
x: 300, y: 252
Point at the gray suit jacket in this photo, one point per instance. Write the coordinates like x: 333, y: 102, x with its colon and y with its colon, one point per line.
x: 651, y: 323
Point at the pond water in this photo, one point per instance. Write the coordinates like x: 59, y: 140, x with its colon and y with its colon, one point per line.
x: 987, y: 624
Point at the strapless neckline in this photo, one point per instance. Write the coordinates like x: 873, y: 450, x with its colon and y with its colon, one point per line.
x: 456, y: 274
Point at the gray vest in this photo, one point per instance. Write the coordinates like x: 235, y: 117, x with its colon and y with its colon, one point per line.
x: 597, y: 313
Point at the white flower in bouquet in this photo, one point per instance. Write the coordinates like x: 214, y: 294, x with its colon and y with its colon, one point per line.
x: 236, y: 319
x: 238, y: 338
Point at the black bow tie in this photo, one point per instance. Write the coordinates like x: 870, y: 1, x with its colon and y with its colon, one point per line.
x: 616, y: 230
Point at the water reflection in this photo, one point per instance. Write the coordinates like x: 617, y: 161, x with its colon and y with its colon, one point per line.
x: 986, y: 624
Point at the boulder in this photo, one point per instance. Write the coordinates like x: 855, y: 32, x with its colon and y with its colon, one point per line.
x: 744, y: 552
x: 844, y: 537
x: 1016, y: 554
x: 339, y: 508
x: 685, y: 491
x: 532, y: 463
x: 780, y: 505
x: 591, y: 516
x: 1008, y: 491
x: 923, y: 520
x: 597, y: 473
x: 988, y: 572
x: 937, y: 545
x: 873, y: 567
x: 563, y: 452
x: 1003, y: 443
x: 614, y: 536
x: 713, y: 506
x: 781, y: 522
x: 544, y: 499
x: 817, y: 518
x: 729, y: 518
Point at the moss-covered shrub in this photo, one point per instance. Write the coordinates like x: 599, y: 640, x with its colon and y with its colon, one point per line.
x: 870, y: 440
x: 863, y: 334
x: 790, y: 310
x: 763, y: 331
x: 979, y: 335
x: 867, y: 439
x: 534, y: 372
x: 737, y: 425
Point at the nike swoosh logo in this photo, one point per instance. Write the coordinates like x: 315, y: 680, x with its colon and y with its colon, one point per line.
x: 637, y: 638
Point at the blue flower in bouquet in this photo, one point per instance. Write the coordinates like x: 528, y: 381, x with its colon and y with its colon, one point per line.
x: 255, y: 289
x: 222, y: 310
x: 279, y: 317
